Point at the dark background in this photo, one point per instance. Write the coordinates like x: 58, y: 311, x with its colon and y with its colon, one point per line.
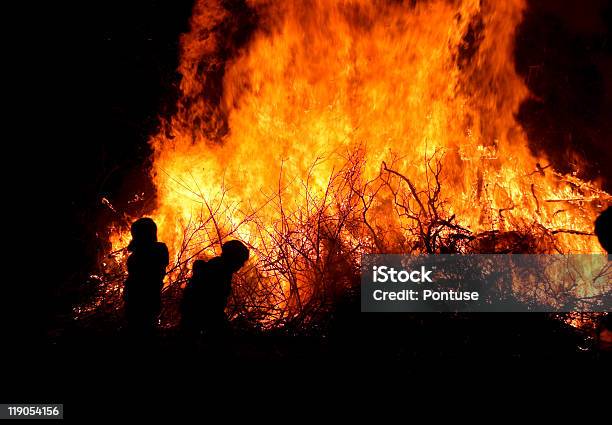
x: 102, y: 73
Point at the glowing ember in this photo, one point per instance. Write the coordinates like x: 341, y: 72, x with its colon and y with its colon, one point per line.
x: 344, y: 127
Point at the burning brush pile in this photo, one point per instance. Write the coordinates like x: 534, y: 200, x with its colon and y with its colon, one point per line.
x: 316, y: 131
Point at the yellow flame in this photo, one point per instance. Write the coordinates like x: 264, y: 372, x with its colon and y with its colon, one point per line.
x: 319, y: 96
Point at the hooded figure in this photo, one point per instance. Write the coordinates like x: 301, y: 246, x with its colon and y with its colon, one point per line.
x: 206, y: 294
x: 146, y: 270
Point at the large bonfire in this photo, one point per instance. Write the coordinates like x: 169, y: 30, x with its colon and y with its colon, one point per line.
x: 319, y: 130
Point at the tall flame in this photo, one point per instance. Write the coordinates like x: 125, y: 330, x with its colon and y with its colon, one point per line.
x: 317, y: 130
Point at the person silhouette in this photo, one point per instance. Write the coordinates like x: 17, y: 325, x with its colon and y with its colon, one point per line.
x: 205, y: 296
x: 146, y: 270
x: 603, y: 229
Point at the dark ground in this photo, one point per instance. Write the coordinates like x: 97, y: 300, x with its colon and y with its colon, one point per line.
x: 109, y: 72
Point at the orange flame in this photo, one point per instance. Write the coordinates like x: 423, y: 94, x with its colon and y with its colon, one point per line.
x: 364, y: 121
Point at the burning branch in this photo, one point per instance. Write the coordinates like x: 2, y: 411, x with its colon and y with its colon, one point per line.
x: 436, y: 229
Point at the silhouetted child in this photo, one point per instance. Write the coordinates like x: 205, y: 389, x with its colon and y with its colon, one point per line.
x: 206, y: 293
x: 146, y: 270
